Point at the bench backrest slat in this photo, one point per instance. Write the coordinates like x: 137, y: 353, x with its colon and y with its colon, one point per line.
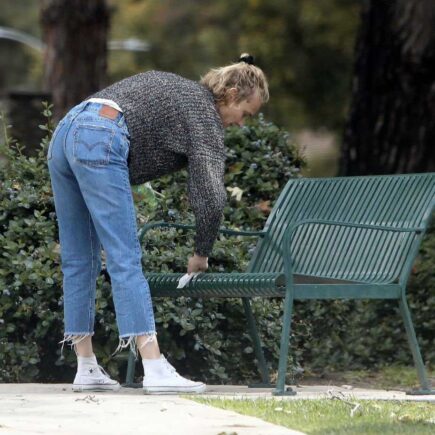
x: 404, y: 201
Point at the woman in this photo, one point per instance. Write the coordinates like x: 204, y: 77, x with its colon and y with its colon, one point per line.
x: 136, y: 130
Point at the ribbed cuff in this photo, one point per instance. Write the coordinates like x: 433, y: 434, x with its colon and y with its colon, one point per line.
x: 201, y: 253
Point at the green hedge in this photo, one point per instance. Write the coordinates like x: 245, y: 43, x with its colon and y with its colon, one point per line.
x: 203, y: 338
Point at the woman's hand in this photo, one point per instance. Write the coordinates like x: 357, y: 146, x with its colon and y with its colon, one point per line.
x: 197, y: 264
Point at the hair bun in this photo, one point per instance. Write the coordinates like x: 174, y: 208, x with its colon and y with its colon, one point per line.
x: 247, y: 58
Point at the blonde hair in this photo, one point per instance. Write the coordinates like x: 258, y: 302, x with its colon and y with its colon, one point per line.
x: 243, y: 75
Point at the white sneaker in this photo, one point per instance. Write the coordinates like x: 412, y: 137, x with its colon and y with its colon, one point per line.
x: 161, y: 377
x: 92, y: 377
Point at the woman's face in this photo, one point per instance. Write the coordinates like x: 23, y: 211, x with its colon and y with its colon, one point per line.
x: 234, y: 113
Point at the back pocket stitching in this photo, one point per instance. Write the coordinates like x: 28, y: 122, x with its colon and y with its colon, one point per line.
x: 108, y: 145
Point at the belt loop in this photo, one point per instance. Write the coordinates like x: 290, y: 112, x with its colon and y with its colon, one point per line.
x: 85, y: 105
x: 121, y: 120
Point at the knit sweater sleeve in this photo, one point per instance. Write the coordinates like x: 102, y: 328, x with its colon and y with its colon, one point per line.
x: 206, y: 189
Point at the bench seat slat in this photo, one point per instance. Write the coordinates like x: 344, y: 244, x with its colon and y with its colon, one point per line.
x: 236, y: 285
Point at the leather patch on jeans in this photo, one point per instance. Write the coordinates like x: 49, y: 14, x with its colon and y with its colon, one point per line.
x: 108, y: 112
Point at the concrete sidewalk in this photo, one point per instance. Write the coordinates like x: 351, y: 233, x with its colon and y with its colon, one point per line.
x: 55, y: 409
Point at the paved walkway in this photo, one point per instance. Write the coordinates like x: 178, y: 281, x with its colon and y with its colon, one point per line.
x: 55, y: 409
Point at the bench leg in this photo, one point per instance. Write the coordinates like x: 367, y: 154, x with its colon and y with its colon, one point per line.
x: 415, y: 349
x: 281, y: 390
x: 130, y: 372
x: 262, y: 365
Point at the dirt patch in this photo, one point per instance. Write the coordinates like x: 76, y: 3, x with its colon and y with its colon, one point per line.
x: 366, y: 379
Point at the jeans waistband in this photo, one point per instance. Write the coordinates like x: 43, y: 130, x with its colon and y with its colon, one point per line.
x: 94, y: 108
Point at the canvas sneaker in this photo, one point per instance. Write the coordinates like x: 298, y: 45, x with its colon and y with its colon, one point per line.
x: 161, y: 377
x: 92, y: 377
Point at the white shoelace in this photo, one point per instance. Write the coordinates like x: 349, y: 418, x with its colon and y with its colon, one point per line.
x: 104, y: 372
x: 171, y: 368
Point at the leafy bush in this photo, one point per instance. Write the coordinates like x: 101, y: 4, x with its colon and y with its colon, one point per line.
x: 211, y: 332
x: 30, y: 312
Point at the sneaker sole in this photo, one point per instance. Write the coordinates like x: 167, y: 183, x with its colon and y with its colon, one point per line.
x: 174, y: 390
x: 80, y: 388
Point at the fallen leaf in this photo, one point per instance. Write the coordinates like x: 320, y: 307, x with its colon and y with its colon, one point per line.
x: 264, y: 206
x: 236, y: 192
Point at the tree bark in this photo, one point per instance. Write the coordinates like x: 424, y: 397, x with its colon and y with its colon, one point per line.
x: 75, y: 33
x: 391, y: 123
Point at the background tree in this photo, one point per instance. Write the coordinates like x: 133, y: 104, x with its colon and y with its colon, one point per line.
x: 391, y: 124
x: 75, y: 33
x: 305, y: 47
x: 19, y: 64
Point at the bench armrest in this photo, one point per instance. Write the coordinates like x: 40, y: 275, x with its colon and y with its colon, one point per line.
x: 145, y: 228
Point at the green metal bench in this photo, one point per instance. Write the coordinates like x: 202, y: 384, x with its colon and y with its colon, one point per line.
x: 329, y: 238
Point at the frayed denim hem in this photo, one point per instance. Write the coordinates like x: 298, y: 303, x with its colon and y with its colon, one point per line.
x: 130, y: 340
x: 73, y: 339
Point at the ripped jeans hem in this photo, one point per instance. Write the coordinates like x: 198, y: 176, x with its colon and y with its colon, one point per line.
x: 72, y: 339
x: 126, y: 340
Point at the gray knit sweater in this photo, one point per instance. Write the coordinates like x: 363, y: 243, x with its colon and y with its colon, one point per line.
x: 173, y: 123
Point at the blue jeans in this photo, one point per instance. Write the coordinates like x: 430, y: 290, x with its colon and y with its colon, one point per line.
x: 87, y: 160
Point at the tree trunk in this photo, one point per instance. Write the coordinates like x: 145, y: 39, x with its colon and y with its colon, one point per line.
x: 75, y: 33
x: 391, y: 124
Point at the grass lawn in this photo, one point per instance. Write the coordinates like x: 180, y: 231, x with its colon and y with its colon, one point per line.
x: 332, y: 416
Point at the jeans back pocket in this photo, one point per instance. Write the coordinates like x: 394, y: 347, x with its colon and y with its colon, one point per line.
x: 92, y: 144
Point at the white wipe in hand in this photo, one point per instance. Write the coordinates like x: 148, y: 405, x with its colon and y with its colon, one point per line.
x: 184, y: 280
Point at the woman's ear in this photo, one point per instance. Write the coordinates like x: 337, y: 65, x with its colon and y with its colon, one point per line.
x: 231, y: 95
